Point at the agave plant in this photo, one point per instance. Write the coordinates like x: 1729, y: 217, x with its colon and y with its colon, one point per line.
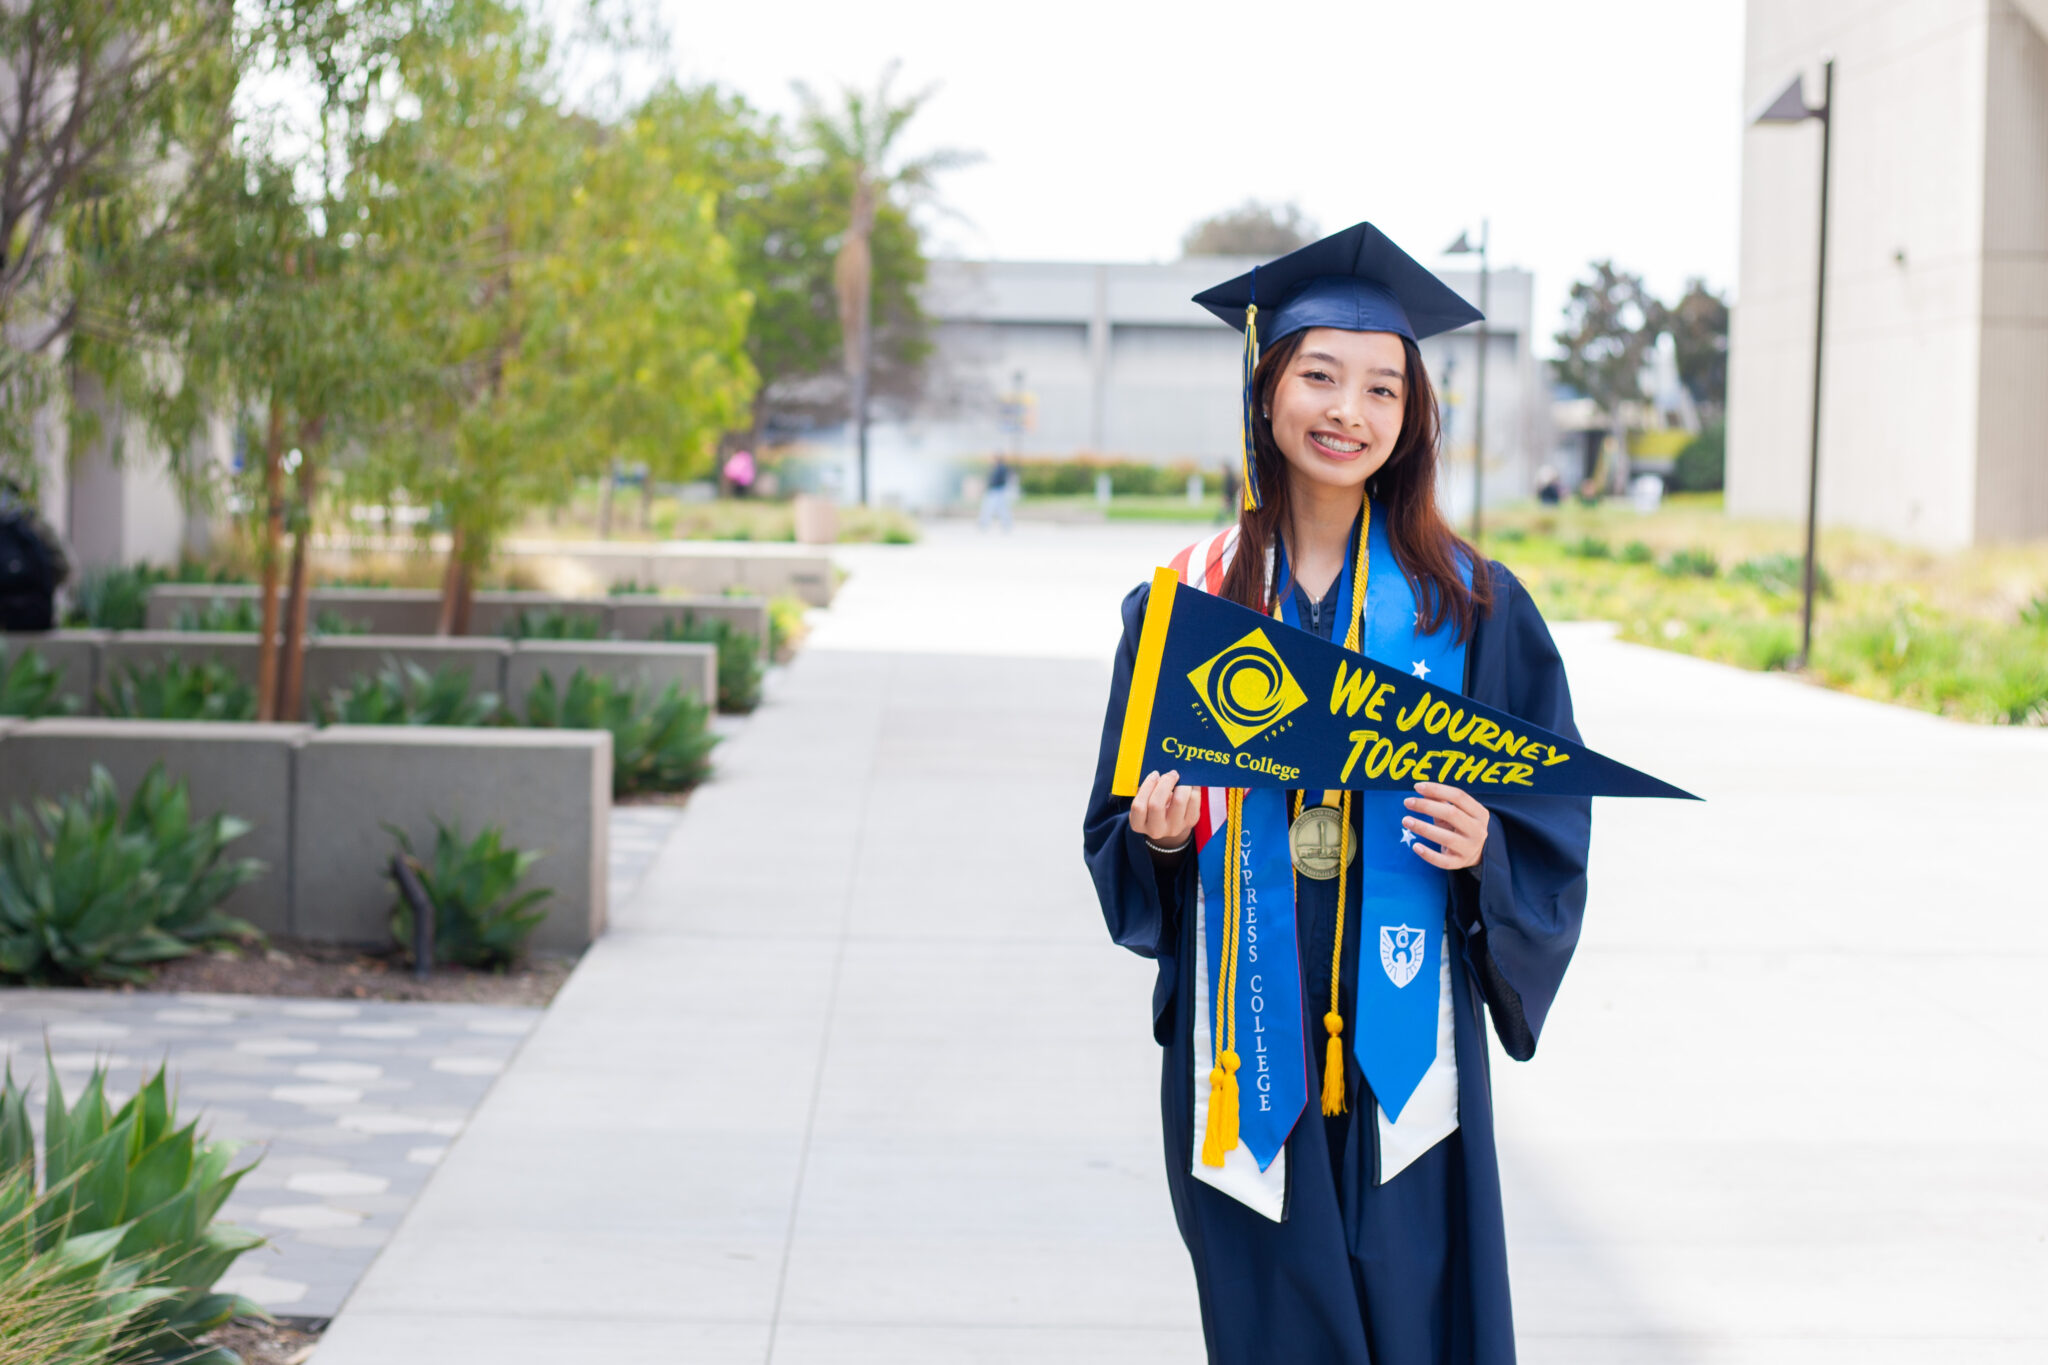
x: 115, y: 598
x: 137, y: 1195
x: 90, y: 892
x: 29, y: 687
x: 188, y: 856
x: 403, y: 693
x: 663, y: 746
x: 481, y: 918
x: 72, y: 1303
x: 553, y: 624
x: 739, y: 657
x: 176, y: 690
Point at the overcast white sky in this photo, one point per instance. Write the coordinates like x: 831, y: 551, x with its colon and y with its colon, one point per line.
x: 1581, y: 128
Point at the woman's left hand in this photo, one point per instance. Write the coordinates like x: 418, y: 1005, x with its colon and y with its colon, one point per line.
x: 1457, y: 826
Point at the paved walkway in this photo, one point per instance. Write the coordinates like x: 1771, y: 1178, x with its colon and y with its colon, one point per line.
x: 856, y: 1077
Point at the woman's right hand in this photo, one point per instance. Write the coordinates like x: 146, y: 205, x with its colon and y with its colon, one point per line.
x: 1165, y: 812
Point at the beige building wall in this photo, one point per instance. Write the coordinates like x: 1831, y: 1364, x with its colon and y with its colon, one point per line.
x: 1937, y: 233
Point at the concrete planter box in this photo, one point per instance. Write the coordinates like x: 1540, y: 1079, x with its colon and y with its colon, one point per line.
x: 335, y: 661
x: 653, y: 666
x: 492, y: 612
x: 417, y: 611
x: 75, y: 652
x: 707, y: 567
x: 547, y: 789
x: 240, y: 768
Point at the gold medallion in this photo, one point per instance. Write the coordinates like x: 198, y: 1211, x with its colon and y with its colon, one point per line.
x: 1315, y: 840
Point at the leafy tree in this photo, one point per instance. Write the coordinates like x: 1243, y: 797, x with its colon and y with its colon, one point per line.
x: 1698, y: 324
x: 1602, y: 346
x: 855, y: 144
x: 114, y: 111
x: 1252, y: 228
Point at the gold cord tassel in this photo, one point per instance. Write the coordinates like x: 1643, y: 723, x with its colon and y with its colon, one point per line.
x: 1247, y: 481
x: 1333, y: 1066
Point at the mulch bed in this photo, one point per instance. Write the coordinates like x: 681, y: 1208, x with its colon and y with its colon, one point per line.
x: 294, y: 967
x: 288, y: 1341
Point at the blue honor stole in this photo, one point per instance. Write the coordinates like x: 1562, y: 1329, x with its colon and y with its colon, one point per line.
x: 1402, y: 934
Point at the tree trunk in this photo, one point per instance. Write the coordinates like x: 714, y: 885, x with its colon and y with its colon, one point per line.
x: 273, y: 537
x: 291, y: 692
x: 604, y: 501
x: 456, y: 588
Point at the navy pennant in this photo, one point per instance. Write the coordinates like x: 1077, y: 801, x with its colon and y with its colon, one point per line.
x: 1232, y: 698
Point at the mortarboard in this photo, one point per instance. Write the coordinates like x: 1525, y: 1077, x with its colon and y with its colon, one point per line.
x: 1356, y: 280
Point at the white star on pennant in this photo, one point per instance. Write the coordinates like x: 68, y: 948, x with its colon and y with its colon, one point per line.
x: 1407, y: 836
x: 1421, y: 669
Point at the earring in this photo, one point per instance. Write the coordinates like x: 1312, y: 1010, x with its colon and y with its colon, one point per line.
x: 1266, y: 413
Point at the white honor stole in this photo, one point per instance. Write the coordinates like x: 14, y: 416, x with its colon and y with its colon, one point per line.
x: 1431, y: 1114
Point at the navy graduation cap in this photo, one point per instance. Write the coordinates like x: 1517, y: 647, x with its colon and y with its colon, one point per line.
x: 1356, y: 280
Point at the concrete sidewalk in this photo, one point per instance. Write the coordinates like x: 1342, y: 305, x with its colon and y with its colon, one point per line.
x: 856, y: 1077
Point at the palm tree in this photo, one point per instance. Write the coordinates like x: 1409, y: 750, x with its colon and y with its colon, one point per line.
x: 859, y: 138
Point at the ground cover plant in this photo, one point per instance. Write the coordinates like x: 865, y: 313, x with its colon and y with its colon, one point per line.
x: 658, y: 744
x: 92, y: 892
x: 404, y: 693
x: 176, y: 690
x: 127, y: 1213
x: 1962, y: 634
x: 239, y: 615
x: 29, y: 687
x: 740, y: 669
x: 482, y: 918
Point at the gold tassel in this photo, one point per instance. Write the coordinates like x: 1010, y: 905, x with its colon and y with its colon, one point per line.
x: 1248, y: 482
x: 1333, y: 1066
x: 1220, y: 1136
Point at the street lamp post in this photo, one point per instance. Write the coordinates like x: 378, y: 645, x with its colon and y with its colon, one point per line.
x: 1464, y: 247
x: 1791, y: 107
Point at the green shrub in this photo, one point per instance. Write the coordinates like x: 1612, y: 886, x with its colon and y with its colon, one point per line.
x: 785, y: 626
x: 1509, y: 535
x: 481, y: 918
x: 114, y: 598
x: 1691, y: 563
x: 28, y: 687
x: 404, y: 693
x: 176, y: 690
x: 739, y: 657
x: 239, y: 615
x: 1067, y: 478
x: 2035, y: 613
x: 1635, y: 552
x: 662, y: 746
x: 89, y: 892
x: 897, y: 535
x: 1782, y: 575
x: 332, y: 622
x: 553, y: 624
x: 132, y: 1196
x: 1699, y: 467
x: 633, y: 587
x: 1589, y: 547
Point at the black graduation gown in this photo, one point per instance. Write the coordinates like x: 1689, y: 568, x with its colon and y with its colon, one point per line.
x: 1412, y: 1272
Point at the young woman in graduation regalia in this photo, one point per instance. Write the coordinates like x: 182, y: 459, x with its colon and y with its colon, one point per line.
x: 1326, y: 1105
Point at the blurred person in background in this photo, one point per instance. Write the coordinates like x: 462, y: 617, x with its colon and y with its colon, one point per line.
x: 740, y: 473
x: 998, y: 500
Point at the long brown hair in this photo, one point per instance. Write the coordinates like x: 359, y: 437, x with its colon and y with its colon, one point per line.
x: 1403, y: 492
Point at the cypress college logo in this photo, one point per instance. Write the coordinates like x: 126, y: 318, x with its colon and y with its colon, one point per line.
x: 1247, y: 689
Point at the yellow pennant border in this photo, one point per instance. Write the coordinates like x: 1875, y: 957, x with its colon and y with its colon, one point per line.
x: 1130, y: 749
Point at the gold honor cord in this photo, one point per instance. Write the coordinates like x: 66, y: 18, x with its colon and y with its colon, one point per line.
x: 1333, y: 1059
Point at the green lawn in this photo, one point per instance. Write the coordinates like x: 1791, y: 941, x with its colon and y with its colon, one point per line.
x: 1962, y: 634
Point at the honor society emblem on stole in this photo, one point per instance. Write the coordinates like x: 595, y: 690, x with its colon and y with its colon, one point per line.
x: 1401, y: 950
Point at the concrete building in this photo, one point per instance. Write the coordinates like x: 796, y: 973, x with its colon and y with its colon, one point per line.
x: 1934, y: 414
x: 1113, y: 360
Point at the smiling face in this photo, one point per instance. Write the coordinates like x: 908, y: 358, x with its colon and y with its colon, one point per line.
x: 1337, y: 406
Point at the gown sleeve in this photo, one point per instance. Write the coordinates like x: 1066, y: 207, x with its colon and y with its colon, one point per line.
x: 1140, y: 905
x: 1521, y: 913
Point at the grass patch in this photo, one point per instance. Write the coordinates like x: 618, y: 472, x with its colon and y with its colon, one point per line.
x: 1962, y: 635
